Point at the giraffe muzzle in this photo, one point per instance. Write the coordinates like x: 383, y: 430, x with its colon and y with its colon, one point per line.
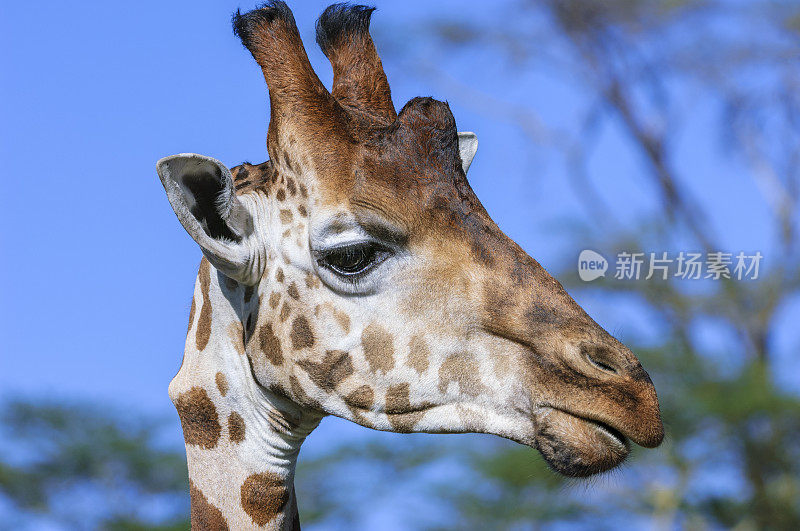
x: 577, y: 446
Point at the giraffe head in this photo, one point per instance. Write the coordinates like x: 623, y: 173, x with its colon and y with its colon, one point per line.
x: 370, y: 282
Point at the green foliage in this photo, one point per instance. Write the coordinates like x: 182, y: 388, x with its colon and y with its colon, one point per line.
x: 61, y: 449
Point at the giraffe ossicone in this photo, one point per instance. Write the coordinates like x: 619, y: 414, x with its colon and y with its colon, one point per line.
x: 356, y: 274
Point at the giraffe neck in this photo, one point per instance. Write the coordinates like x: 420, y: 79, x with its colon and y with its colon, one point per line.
x: 238, y: 485
x: 242, y: 440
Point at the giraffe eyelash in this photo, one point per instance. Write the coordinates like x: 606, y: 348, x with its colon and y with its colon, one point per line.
x: 353, y: 261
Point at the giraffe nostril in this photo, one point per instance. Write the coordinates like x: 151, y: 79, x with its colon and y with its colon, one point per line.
x: 598, y: 358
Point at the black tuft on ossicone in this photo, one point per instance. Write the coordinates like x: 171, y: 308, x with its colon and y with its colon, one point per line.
x: 340, y: 20
x: 245, y: 26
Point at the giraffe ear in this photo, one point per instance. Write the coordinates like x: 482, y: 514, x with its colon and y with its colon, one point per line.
x: 467, y: 146
x: 200, y: 190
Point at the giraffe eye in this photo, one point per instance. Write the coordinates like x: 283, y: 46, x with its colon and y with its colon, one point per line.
x: 353, y: 260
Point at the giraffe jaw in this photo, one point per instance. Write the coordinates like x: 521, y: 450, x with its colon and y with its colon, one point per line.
x: 577, y: 446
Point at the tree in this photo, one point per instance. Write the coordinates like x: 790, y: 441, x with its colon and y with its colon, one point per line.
x: 82, y: 467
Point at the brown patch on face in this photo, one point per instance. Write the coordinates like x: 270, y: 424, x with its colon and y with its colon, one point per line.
x: 264, y: 496
x: 285, y: 311
x: 343, y: 319
x: 199, y: 418
x: 279, y: 276
x: 222, y: 383
x: 334, y: 368
x: 312, y: 282
x: 286, y: 216
x: 203, y: 332
x: 236, y: 427
x: 270, y: 345
x: 248, y: 178
x: 236, y: 335
x: 463, y: 370
x: 378, y: 347
x: 418, y: 354
x: 503, y: 366
x: 203, y: 514
x: 274, y: 299
x: 401, y: 415
x: 281, y: 195
x: 292, y: 291
x: 302, y: 336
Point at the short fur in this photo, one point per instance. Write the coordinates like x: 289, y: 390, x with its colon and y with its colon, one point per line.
x: 457, y: 330
x: 341, y: 21
x: 359, y: 82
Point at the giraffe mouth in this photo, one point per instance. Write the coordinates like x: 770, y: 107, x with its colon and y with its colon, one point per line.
x: 577, y: 446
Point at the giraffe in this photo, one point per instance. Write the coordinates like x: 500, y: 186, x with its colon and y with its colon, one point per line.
x: 356, y: 274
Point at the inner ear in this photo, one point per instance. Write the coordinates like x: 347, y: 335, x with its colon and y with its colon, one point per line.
x: 200, y: 190
x: 205, y: 193
x: 467, y: 146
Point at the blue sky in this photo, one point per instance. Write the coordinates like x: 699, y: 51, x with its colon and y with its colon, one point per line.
x: 98, y: 273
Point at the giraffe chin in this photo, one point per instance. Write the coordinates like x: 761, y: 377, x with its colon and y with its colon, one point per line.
x: 578, y: 447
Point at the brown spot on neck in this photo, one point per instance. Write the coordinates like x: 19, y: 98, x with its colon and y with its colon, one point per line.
x: 203, y: 514
x: 378, y: 348
x: 199, y: 418
x: 285, y: 310
x: 236, y: 428
x: 222, y: 383
x: 274, y: 299
x: 192, y: 311
x: 203, y: 332
x: 264, y: 497
x: 236, y: 335
x: 292, y: 291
